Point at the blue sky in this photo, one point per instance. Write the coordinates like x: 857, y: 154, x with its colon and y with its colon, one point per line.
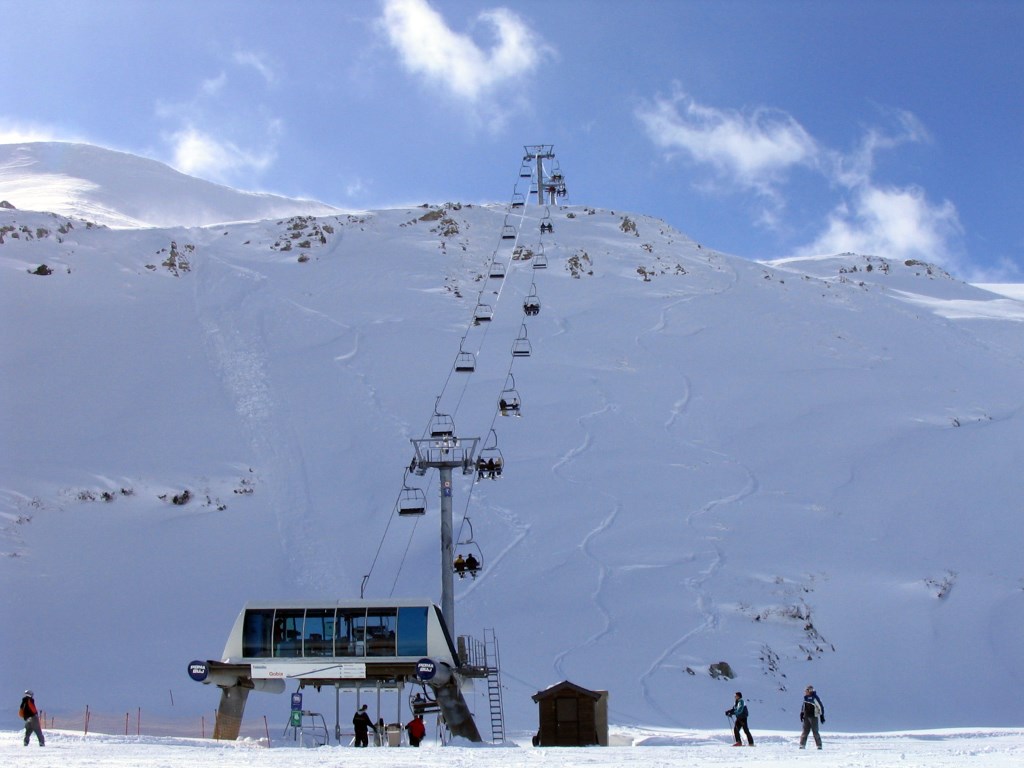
x: 764, y: 129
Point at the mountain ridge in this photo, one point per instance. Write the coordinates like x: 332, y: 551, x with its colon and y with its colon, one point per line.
x: 113, y: 189
x: 807, y: 473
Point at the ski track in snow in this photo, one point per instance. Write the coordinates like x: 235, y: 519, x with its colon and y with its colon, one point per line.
x: 585, y: 544
x: 596, y: 595
x: 710, y: 615
x: 237, y: 349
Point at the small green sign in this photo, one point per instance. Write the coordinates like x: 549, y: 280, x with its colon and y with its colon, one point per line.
x: 296, y: 719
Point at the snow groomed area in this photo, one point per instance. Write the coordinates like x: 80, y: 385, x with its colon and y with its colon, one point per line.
x: 947, y: 748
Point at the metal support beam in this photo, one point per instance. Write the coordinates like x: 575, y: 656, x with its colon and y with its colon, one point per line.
x: 445, y: 454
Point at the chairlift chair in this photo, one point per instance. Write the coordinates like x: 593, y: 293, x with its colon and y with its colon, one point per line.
x: 509, y: 402
x: 465, y: 362
x: 473, y: 562
x: 423, y: 701
x: 508, y: 232
x: 518, y: 200
x: 489, y: 462
x: 482, y: 314
x: 521, y: 347
x: 497, y: 270
x: 442, y: 425
x: 540, y: 261
x: 531, y: 305
x: 411, y: 501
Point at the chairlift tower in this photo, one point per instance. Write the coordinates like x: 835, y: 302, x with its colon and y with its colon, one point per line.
x: 445, y: 452
x: 550, y: 181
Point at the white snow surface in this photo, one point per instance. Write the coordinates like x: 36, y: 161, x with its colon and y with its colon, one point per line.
x: 117, y: 189
x: 952, y: 748
x: 809, y: 470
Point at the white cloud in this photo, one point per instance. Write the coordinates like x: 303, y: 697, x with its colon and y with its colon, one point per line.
x: 223, y: 133
x: 752, y: 150
x: 257, y: 62
x: 898, y: 223
x: 755, y: 150
x: 429, y: 47
x: 200, y: 154
x: 214, y: 85
x: 22, y: 133
x: 857, y: 167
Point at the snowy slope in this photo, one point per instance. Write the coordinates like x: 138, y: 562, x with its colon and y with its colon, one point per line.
x: 806, y: 470
x: 116, y: 189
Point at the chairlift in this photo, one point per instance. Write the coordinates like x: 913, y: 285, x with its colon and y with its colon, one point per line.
x: 540, y: 261
x: 521, y: 347
x: 531, y: 305
x: 442, y: 425
x: 423, y: 701
x: 518, y: 200
x: 508, y: 232
x: 489, y: 462
x: 546, y: 225
x: 473, y: 561
x: 497, y: 270
x: 465, y: 362
x: 508, y: 401
x: 482, y: 314
x: 411, y: 501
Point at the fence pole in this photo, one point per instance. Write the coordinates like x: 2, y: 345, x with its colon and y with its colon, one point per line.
x: 86, y: 720
x: 267, y: 729
x: 138, y: 722
x: 126, y: 715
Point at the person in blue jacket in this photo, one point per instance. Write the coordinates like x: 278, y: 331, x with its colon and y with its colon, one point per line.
x: 740, y: 712
x: 811, y: 711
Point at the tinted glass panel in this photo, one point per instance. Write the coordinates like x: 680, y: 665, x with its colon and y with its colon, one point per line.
x: 288, y: 632
x: 381, y: 626
x: 412, y: 631
x: 318, y: 632
x: 350, y: 629
x: 257, y: 630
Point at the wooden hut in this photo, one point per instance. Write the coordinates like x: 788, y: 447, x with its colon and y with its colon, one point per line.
x: 571, y: 716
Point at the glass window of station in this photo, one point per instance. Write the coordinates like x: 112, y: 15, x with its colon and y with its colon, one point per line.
x: 341, y: 632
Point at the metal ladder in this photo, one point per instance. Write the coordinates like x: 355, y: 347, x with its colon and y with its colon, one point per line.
x: 494, y: 686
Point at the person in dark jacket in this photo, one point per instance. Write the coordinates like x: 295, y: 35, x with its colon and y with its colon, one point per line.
x: 811, y: 711
x: 362, y: 723
x: 30, y: 714
x: 739, y: 711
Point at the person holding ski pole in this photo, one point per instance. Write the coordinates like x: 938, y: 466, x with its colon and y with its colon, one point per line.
x: 740, y: 711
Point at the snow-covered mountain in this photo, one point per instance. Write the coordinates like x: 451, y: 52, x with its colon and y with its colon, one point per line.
x: 807, y: 470
x: 116, y: 189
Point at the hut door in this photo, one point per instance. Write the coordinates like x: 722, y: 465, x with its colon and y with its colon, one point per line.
x: 567, y: 716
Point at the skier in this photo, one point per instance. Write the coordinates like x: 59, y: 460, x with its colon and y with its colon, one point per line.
x: 811, y: 711
x: 30, y: 714
x: 740, y: 711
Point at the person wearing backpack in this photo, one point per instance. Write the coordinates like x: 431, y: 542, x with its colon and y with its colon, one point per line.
x: 30, y: 714
x: 811, y: 711
x: 740, y: 711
